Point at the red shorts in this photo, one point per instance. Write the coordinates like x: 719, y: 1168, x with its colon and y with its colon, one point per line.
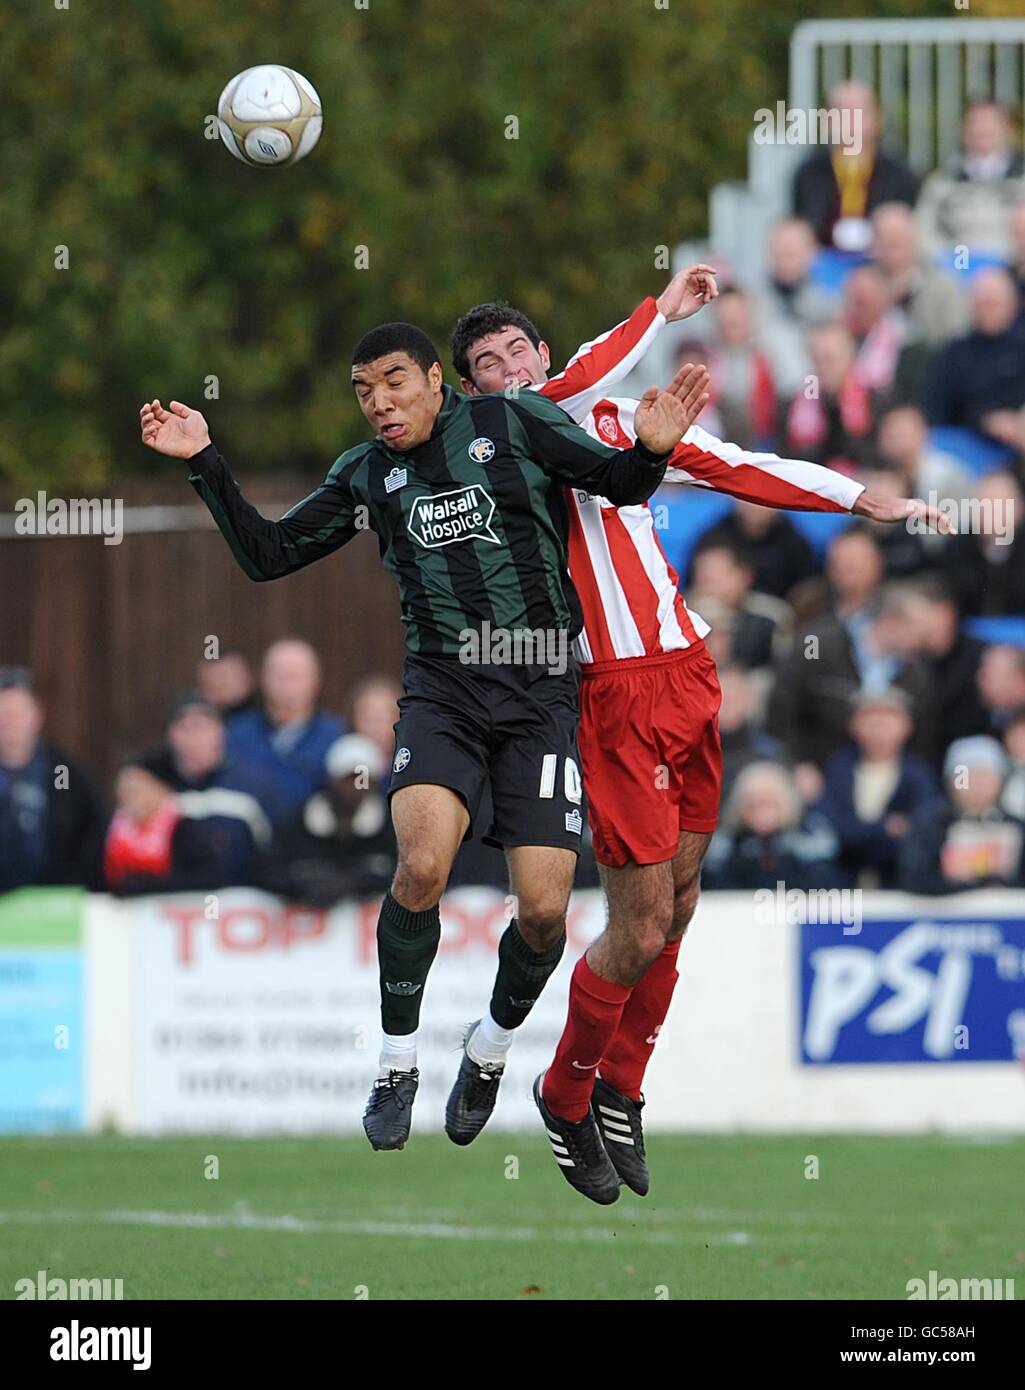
x: 652, y: 759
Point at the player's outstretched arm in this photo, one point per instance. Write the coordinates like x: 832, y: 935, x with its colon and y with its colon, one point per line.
x: 624, y: 476
x: 597, y: 366
x: 788, y: 484
x: 896, y: 509
x: 319, y: 524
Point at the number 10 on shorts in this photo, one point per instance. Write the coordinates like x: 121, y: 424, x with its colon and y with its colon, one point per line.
x: 571, y: 778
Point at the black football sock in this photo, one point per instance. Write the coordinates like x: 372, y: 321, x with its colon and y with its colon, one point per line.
x: 407, y: 943
x: 522, y: 975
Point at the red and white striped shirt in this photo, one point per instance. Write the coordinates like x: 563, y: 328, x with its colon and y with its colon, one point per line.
x: 628, y: 589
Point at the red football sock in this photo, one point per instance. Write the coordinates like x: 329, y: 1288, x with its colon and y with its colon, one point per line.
x: 626, y: 1057
x: 595, y: 1006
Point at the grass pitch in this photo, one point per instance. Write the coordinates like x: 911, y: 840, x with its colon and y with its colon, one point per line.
x: 731, y: 1217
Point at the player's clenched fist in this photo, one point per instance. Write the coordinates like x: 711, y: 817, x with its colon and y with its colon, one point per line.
x: 178, y: 432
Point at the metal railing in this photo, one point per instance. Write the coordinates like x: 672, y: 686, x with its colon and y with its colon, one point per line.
x: 924, y: 72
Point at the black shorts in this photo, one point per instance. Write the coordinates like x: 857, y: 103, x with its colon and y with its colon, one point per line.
x: 510, y: 730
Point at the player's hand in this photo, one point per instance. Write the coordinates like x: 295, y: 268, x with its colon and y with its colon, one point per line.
x: 178, y: 432
x: 664, y: 417
x: 893, y: 509
x: 688, y: 291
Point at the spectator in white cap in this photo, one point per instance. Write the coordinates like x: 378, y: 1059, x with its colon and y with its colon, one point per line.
x: 966, y: 840
x: 342, y: 845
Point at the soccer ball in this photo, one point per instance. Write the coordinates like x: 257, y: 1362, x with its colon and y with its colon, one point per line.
x: 269, y: 115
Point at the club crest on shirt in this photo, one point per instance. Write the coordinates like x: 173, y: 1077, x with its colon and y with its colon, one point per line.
x: 482, y: 450
x: 608, y: 428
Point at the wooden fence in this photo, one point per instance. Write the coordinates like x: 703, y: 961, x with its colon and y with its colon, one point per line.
x: 113, y: 632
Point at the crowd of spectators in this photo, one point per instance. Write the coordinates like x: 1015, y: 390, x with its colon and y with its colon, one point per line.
x: 874, y: 744
x: 873, y: 716
x: 250, y: 781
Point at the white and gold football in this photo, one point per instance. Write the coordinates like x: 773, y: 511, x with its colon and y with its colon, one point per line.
x: 269, y: 115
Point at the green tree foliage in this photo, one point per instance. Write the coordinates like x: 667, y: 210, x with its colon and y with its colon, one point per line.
x: 184, y: 264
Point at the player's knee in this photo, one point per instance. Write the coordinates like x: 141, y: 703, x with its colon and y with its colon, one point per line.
x: 685, y: 900
x: 641, y: 939
x: 542, y: 922
x: 639, y: 951
x: 420, y: 879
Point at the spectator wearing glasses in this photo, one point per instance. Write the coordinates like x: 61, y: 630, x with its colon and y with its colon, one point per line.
x: 51, y: 819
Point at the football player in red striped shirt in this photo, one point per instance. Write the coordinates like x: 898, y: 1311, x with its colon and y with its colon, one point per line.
x: 649, y: 738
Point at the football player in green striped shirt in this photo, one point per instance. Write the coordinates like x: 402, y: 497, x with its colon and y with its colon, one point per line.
x: 465, y: 495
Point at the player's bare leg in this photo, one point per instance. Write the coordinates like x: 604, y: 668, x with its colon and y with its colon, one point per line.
x: 640, y: 903
x: 541, y: 878
x: 430, y: 823
x: 626, y: 1058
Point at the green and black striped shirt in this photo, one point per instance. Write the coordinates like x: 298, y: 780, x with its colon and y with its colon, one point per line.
x: 473, y: 523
